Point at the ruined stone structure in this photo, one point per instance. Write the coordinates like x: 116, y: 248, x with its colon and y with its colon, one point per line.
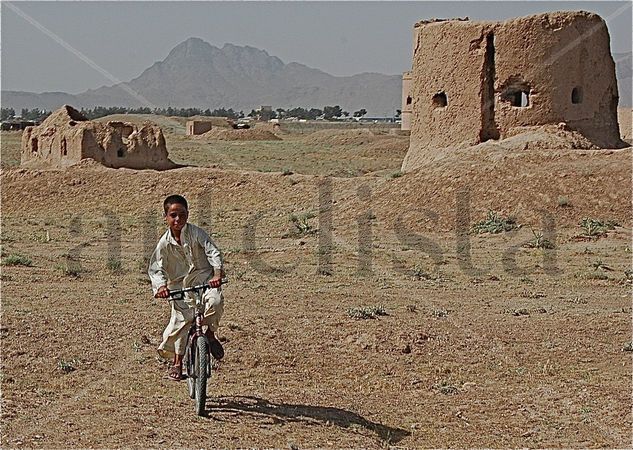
x: 196, y: 127
x: 476, y: 81
x: 66, y: 137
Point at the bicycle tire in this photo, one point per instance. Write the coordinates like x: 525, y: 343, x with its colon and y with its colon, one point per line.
x: 191, y: 386
x: 201, y: 367
x: 189, y: 362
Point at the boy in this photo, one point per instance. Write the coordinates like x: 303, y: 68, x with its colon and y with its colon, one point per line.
x: 186, y: 256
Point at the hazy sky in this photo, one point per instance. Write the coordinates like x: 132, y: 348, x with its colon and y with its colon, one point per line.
x: 41, y: 47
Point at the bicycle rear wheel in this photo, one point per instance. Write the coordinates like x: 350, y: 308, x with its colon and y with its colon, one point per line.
x: 201, y: 368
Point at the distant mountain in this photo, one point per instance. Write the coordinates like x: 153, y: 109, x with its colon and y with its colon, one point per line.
x: 46, y: 100
x: 197, y: 74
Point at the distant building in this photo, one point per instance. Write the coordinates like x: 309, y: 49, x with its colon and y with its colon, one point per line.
x: 195, y: 127
x: 407, y: 102
x: 15, y: 125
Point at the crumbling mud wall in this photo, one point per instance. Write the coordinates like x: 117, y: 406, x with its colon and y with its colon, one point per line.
x: 479, y: 81
x: 197, y: 127
x: 66, y: 137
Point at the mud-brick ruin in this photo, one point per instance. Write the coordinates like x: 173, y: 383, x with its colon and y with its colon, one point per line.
x: 476, y: 81
x: 66, y: 137
x: 197, y: 127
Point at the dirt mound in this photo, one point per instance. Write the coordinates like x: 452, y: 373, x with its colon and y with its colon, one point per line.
x: 393, y: 145
x: 566, y: 185
x: 532, y: 138
x: 357, y: 136
x: 75, y: 188
x: 547, y: 137
x: 87, y: 162
x: 274, y: 128
x: 251, y: 134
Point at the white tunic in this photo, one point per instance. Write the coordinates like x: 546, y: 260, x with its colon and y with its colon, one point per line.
x: 177, y: 266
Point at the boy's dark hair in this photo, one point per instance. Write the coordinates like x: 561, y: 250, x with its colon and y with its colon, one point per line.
x: 175, y: 199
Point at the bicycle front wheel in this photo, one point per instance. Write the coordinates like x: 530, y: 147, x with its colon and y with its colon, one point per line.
x: 190, y: 361
x: 201, y: 368
x: 191, y: 386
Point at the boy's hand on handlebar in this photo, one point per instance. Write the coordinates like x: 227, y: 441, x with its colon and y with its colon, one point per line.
x: 216, y: 281
x: 162, y: 292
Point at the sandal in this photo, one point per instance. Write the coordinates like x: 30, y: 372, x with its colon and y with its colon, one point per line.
x: 175, y: 372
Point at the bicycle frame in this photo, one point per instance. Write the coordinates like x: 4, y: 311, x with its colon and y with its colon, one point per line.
x: 195, y: 331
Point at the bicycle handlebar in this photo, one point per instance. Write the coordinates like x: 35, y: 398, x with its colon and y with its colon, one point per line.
x: 179, y: 294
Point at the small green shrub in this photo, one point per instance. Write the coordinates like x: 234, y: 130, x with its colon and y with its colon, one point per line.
x: 302, y: 225
x: 367, y: 312
x: 286, y: 172
x: 395, y: 175
x: 595, y: 276
x: 67, y: 366
x: 16, y: 259
x: 539, y: 241
x: 532, y: 294
x: 599, y: 265
x: 114, y: 265
x: 596, y: 227
x: 563, y: 202
x: 68, y: 271
x: 419, y: 274
x: 494, y: 223
x: 446, y: 388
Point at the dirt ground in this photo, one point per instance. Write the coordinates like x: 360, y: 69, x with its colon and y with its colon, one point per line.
x: 485, y: 342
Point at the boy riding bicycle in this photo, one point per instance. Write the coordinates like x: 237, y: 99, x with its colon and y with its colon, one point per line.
x: 186, y: 256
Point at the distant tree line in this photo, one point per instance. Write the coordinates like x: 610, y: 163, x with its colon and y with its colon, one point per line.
x: 102, y: 111
x: 34, y: 114
x: 327, y: 113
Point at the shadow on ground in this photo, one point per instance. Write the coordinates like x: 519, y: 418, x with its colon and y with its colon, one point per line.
x: 284, y: 412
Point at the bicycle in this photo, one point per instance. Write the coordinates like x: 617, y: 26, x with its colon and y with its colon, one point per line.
x: 198, y: 357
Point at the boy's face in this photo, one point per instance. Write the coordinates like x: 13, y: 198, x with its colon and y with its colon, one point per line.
x: 176, y: 216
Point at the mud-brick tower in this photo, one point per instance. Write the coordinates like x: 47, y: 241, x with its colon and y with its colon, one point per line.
x: 476, y: 81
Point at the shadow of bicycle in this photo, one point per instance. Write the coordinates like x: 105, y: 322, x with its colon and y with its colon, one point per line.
x: 284, y: 412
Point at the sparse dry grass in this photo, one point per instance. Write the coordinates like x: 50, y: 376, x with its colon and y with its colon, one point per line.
x: 540, y: 358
